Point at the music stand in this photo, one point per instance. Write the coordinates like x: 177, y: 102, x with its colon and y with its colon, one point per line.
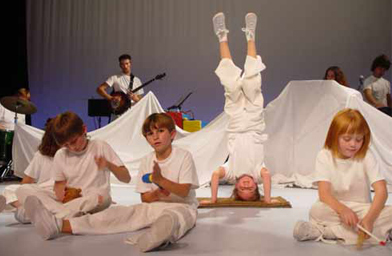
x: 99, y: 108
x: 178, y: 104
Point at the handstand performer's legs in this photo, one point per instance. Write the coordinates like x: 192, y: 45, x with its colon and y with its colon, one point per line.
x: 251, y: 85
x: 228, y: 73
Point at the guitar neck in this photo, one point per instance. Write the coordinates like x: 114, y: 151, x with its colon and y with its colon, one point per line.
x: 143, y: 85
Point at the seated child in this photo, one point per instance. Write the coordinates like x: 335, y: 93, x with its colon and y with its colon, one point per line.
x: 169, y: 205
x: 80, y: 164
x: 344, y: 171
x: 244, y: 106
x: 37, y: 174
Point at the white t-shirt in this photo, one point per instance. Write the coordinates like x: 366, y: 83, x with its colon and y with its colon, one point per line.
x: 380, y: 88
x: 253, y: 170
x: 121, y: 82
x: 40, y: 168
x: 81, y: 171
x: 7, y: 118
x: 179, y: 167
x: 350, y: 179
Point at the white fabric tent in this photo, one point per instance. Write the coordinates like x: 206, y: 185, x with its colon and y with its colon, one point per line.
x: 297, y: 123
x: 208, y: 146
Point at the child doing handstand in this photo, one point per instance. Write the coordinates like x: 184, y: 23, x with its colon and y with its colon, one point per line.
x: 244, y: 106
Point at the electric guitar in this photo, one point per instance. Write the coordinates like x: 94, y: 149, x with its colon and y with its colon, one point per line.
x: 122, y: 102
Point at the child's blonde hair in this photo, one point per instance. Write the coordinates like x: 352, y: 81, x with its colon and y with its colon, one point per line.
x: 348, y: 121
x: 156, y: 121
x: 237, y: 196
x: 66, y: 126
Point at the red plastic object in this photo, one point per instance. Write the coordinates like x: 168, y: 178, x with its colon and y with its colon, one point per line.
x: 177, y: 117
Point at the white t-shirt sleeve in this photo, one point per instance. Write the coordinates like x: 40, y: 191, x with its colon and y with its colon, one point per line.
x: 324, y: 166
x: 372, y: 168
x: 59, y: 166
x: 33, y: 170
x: 110, y: 155
x: 188, y: 173
x: 367, y: 83
x: 110, y: 81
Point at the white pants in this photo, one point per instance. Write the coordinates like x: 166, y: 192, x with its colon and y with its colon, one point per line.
x: 77, y: 207
x: 117, y: 219
x: 321, y: 214
x: 244, y: 105
x: 9, y: 193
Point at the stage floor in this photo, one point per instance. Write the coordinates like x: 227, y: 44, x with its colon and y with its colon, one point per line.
x: 219, y: 231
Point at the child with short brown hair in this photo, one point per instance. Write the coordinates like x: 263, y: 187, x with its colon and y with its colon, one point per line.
x: 169, y: 205
x: 82, y: 164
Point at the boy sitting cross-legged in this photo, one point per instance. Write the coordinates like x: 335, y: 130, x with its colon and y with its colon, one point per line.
x: 169, y: 205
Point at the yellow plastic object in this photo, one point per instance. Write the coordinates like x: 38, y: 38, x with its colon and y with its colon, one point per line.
x: 191, y: 125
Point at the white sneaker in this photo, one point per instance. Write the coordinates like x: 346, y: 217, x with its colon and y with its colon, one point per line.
x: 304, y: 231
x: 160, y: 234
x: 3, y: 203
x: 43, y: 220
x: 220, y: 27
x: 20, y: 215
x: 250, y: 29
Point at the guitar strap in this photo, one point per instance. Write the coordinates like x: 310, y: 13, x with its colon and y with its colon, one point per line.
x: 130, y: 87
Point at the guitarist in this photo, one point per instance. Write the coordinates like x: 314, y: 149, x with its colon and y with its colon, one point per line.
x: 123, y: 82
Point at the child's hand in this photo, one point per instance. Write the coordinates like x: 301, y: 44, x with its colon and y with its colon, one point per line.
x: 271, y: 201
x: 101, y: 162
x: 133, y: 96
x: 163, y: 192
x: 206, y: 202
x: 366, y: 225
x: 348, y: 217
x: 156, y: 173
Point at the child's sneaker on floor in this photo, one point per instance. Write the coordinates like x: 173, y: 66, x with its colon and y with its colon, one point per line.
x: 304, y: 231
x: 220, y: 27
x: 3, y: 203
x: 44, y: 221
x: 250, y: 29
x: 20, y: 215
x: 160, y: 234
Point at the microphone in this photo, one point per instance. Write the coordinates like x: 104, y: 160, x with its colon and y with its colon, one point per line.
x: 361, y: 79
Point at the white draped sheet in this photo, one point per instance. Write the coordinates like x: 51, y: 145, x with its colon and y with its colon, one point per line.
x: 208, y: 146
x: 297, y: 123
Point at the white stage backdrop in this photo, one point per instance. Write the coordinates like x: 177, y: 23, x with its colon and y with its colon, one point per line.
x: 297, y: 123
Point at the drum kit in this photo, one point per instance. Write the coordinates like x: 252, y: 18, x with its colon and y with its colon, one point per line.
x: 18, y: 106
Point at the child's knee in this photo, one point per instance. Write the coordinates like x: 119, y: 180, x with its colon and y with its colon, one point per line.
x: 321, y: 211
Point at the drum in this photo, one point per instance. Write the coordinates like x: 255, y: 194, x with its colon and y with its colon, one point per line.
x: 6, y: 138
